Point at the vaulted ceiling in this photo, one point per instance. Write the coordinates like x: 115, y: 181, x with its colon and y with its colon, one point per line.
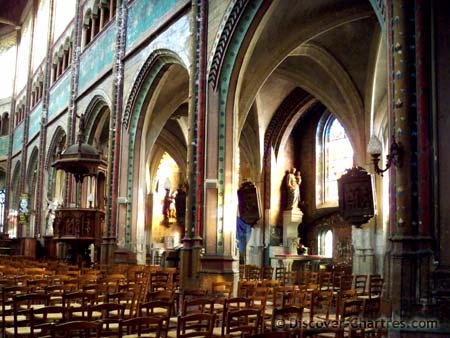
x: 11, y: 14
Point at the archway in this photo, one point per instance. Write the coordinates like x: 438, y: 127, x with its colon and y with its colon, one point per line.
x: 157, y: 130
x: 268, y: 92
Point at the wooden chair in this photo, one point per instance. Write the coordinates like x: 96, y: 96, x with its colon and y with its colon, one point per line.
x: 287, y: 319
x: 345, y: 282
x: 246, y: 288
x: 343, y: 296
x: 199, y: 305
x: 231, y: 304
x: 37, y: 285
x: 267, y: 272
x: 280, y: 274
x: 22, y: 312
x: 221, y: 290
x: 291, y: 278
x: 278, y: 334
x: 296, y: 297
x: 259, y: 300
x: 46, y: 317
x: 320, y: 306
x: 86, y: 329
x: 196, y: 325
x: 304, y: 277
x: 141, y: 327
x: 360, y: 284
x: 351, y: 312
x: 244, y: 322
x: 161, y: 309
x: 129, y: 299
x: 372, y: 308
x: 325, y: 280
x: 375, y: 287
x: 77, y: 304
x: 110, y: 315
x: 56, y: 292
x: 254, y: 272
x: 314, y: 277
x: 160, y: 280
x: 22, y: 324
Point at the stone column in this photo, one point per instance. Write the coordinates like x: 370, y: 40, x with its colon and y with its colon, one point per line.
x: 111, y: 9
x: 102, y: 18
x: 93, y: 26
x: 410, y: 256
x: 441, y: 125
x: 109, y: 240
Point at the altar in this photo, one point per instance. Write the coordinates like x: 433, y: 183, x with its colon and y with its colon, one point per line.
x: 294, y: 262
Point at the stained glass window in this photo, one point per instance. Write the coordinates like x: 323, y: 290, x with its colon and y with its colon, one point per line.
x: 334, y: 156
x: 338, y: 157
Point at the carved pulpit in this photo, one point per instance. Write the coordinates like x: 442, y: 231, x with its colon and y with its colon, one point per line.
x: 81, y: 224
x: 355, y: 196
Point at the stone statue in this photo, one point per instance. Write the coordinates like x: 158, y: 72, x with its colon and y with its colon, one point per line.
x: 293, y: 191
x: 51, y: 207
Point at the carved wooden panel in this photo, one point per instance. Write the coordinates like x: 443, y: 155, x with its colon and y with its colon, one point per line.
x: 355, y: 196
x: 79, y: 224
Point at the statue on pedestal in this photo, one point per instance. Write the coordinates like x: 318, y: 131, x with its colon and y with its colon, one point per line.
x: 292, y: 181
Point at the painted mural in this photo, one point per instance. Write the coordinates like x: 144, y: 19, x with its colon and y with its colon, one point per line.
x: 97, y: 59
x: 59, y: 96
x: 18, y: 139
x: 142, y: 15
x: 35, y: 124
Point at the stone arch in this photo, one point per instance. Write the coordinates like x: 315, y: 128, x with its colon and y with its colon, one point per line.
x: 94, y: 113
x: 15, y: 187
x: 57, y: 144
x: 237, y: 36
x: 138, y: 98
x: 32, y: 166
x: 56, y: 140
x: 351, y: 113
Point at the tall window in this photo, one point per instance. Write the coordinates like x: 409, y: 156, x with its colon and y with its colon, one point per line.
x: 334, y: 156
x: 326, y: 243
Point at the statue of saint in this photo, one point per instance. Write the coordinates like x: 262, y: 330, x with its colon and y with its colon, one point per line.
x: 51, y: 207
x: 293, y: 191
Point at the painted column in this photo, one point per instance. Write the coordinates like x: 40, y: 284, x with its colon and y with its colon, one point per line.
x: 109, y: 240
x: 40, y: 218
x: 190, y: 263
x: 26, y: 109
x: 12, y: 122
x: 72, y: 111
x: 410, y: 256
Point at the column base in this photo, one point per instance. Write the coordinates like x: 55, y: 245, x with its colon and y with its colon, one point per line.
x: 108, y: 247
x: 409, y: 276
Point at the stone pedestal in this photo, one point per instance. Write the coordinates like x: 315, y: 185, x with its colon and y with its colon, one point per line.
x: 291, y: 220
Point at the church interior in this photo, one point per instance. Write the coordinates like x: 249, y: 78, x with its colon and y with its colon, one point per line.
x: 290, y: 153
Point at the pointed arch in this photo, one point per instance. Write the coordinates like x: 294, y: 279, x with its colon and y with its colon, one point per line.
x: 32, y: 166
x: 57, y: 141
x: 57, y: 144
x: 97, y: 114
x: 15, y: 187
x: 138, y: 98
